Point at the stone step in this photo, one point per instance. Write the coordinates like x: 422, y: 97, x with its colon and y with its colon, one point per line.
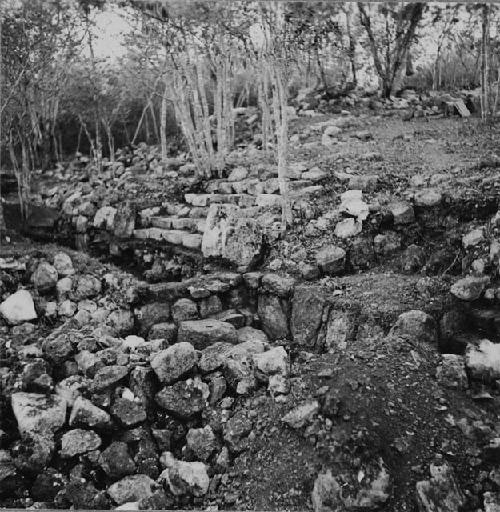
x: 189, y: 224
x: 198, y: 212
x: 306, y: 191
x: 269, y: 200
x: 172, y: 236
x: 176, y: 223
x: 298, y: 185
x: 208, y: 199
x: 195, y: 287
x: 252, y: 186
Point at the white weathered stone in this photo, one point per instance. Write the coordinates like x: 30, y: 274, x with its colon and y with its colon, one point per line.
x: 63, y: 287
x: 87, y: 415
x: 18, y: 308
x: 469, y: 288
x: 331, y: 259
x: 315, y: 174
x: 402, y: 212
x: 348, y: 228
x: 105, y: 218
x: 237, y: 239
x: 428, y: 197
x: 483, y: 361
x: 473, y: 238
x: 238, y: 174
x: 78, y: 441
x: 352, y: 203
x: 272, y: 362
x: 66, y: 308
x: 173, y: 362
x: 184, y: 478
x: 301, y: 414
x: 38, y: 414
x: 131, y: 489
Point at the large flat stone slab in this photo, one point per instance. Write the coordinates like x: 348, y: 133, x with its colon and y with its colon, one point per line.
x: 203, y: 333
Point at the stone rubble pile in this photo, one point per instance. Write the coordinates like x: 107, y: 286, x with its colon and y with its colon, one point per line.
x: 112, y: 418
x: 413, y: 104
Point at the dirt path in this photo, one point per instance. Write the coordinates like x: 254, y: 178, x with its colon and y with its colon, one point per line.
x: 423, y: 146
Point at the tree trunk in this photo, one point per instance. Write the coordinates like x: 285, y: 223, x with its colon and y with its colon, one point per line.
x: 395, y: 59
x: 365, y: 21
x: 24, y: 181
x: 139, y: 124
x: 485, y: 50
x: 321, y: 70
x: 79, y: 139
x: 111, y: 139
x: 352, y: 43
x: 435, y: 75
x: 97, y: 108
x: 281, y: 122
x: 2, y: 218
x: 155, y: 123
x: 163, y: 124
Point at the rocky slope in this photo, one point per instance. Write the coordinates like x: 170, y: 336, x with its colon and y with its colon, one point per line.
x: 351, y: 363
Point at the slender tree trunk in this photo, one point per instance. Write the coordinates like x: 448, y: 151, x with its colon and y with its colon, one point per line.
x: 485, y: 50
x: 321, y: 70
x: 2, y: 218
x: 394, y: 60
x: 148, y: 131
x: 59, y: 140
x: 125, y: 131
x: 163, y: 124
x: 281, y: 122
x: 352, y: 43
x: 201, y: 109
x: 111, y: 139
x: 97, y: 108
x: 25, y: 184
x: 79, y: 138
x: 435, y: 75
x: 89, y: 137
x: 155, y: 123
x: 139, y: 124
x: 182, y: 106
x: 264, y: 101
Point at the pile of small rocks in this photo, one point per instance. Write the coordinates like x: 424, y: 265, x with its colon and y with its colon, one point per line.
x: 104, y: 417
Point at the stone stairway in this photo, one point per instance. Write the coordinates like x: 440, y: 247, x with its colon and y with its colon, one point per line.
x: 247, y: 194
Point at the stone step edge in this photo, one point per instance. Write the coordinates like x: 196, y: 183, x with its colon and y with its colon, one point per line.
x: 172, y: 236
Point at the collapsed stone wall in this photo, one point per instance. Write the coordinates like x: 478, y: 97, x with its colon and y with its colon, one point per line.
x: 111, y: 416
x: 117, y: 391
x: 111, y: 385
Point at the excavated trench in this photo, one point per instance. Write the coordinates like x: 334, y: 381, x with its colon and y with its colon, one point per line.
x: 311, y: 316
x: 430, y: 246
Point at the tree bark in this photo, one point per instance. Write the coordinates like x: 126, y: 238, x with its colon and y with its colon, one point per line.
x: 395, y: 59
x: 281, y: 122
x: 163, y: 124
x: 2, y: 217
x: 97, y: 106
x: 352, y: 43
x: 485, y: 50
